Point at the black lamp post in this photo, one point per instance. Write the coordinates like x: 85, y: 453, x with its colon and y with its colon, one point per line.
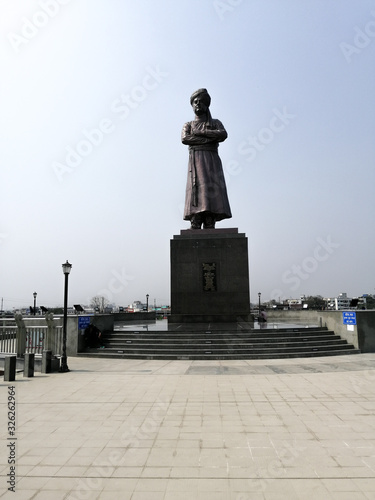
x: 66, y: 270
x: 147, y: 296
x: 35, y: 294
x: 259, y: 294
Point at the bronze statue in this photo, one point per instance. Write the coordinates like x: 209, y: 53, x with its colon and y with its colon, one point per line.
x: 206, y: 194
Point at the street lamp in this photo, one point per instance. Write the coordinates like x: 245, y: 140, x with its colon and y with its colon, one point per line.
x: 66, y: 270
x: 35, y: 294
x: 147, y: 296
x: 259, y: 294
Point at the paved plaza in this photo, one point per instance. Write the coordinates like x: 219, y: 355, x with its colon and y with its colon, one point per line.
x: 292, y: 429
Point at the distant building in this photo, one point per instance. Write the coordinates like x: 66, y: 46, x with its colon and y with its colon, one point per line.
x: 294, y: 303
x: 137, y: 306
x: 344, y: 302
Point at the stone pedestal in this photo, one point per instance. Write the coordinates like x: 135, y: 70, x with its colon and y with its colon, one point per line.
x: 10, y: 363
x: 209, y: 276
x: 46, y: 361
x: 29, y: 364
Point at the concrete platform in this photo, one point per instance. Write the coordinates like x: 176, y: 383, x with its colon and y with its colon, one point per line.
x: 287, y: 429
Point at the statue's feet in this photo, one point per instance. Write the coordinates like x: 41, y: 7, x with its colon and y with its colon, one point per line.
x: 208, y: 221
x: 196, y: 221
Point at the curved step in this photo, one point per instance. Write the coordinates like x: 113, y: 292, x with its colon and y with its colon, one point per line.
x: 228, y: 344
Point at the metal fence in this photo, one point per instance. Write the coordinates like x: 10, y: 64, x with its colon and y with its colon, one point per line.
x: 16, y: 337
x: 35, y: 339
x: 8, y: 339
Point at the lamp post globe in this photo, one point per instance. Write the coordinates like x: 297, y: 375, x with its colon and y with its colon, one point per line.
x: 66, y: 270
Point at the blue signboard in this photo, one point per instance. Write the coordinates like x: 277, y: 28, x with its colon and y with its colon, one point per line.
x: 83, y: 322
x: 349, y: 318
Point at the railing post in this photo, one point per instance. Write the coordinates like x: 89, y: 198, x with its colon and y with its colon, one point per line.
x: 21, y: 335
x: 50, y: 341
x: 28, y: 370
x: 10, y: 368
x: 47, y: 361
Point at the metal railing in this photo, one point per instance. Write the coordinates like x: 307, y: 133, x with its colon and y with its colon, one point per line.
x: 18, y: 338
x: 8, y: 339
x: 35, y: 339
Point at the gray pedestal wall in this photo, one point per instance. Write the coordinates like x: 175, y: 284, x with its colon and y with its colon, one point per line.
x: 209, y: 276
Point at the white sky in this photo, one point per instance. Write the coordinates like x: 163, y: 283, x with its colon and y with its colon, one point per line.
x: 309, y: 179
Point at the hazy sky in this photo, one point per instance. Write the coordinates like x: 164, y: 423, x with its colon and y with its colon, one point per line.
x: 94, y: 94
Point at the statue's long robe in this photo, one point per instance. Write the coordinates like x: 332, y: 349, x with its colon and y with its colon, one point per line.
x: 205, y: 188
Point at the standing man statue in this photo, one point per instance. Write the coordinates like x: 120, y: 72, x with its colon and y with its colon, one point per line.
x: 206, y: 194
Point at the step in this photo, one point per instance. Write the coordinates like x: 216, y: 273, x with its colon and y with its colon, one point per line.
x: 223, y: 344
x: 342, y: 344
x: 264, y: 356
x: 222, y: 341
x: 218, y: 333
x: 285, y: 347
x: 214, y: 337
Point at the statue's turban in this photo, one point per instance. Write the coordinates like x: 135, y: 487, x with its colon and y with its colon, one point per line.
x: 204, y: 95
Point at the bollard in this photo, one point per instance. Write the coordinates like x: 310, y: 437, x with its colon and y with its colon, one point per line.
x: 10, y: 368
x: 46, y: 361
x: 28, y: 370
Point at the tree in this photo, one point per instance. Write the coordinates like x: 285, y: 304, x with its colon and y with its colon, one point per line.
x: 370, y: 302
x: 315, y: 302
x: 99, y: 303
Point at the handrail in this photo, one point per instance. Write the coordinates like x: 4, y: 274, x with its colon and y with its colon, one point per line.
x: 31, y: 335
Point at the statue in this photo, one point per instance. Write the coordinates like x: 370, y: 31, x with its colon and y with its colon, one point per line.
x: 206, y: 199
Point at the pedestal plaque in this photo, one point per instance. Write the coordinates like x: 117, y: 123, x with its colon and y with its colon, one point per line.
x: 209, y: 276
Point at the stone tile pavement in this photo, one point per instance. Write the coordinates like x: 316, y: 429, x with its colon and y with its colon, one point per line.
x: 296, y: 429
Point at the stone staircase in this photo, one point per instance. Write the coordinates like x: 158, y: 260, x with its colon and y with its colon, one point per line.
x: 223, y: 344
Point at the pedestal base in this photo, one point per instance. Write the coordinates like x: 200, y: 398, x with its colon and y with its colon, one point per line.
x: 209, y: 276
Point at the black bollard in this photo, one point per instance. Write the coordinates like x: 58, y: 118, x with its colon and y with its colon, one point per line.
x: 10, y: 368
x: 47, y: 361
x: 28, y: 370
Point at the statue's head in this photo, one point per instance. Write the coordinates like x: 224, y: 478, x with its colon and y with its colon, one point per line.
x: 203, y: 95
x: 200, y: 101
